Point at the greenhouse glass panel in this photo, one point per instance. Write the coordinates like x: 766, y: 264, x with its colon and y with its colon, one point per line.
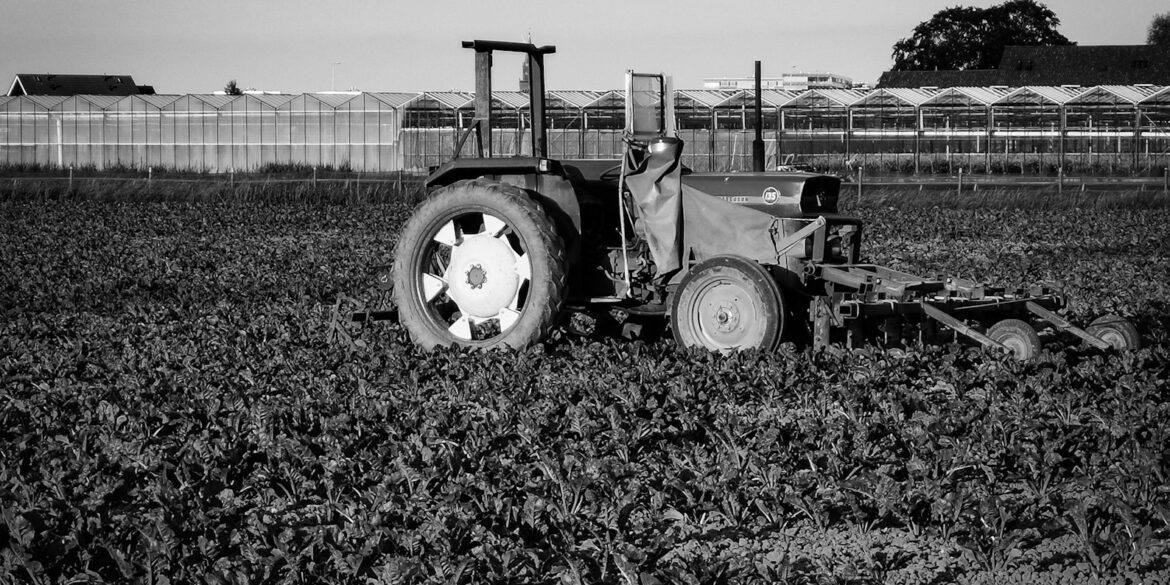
x: 283, y: 138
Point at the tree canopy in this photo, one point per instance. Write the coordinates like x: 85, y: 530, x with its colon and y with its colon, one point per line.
x: 965, y: 37
x: 232, y: 88
x: 1159, y: 31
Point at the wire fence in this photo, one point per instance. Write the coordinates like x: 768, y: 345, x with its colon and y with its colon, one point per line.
x: 324, y: 186
x: 348, y: 186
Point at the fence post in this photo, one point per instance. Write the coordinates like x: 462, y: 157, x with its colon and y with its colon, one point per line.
x: 314, y: 176
x: 1060, y: 179
x: 960, y: 191
x: 232, y: 178
x: 860, y: 181
x: 70, y: 178
x: 1166, y: 180
x: 149, y: 176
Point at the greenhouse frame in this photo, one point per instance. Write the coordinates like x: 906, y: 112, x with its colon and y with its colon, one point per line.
x: 981, y: 129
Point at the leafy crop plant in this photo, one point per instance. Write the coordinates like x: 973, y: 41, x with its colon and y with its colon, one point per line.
x: 181, y: 401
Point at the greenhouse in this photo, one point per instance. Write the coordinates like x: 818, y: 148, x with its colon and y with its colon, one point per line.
x: 981, y: 129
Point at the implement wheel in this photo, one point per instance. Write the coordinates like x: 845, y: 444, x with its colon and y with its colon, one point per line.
x: 1018, y: 336
x: 1116, y: 331
x: 727, y: 303
x: 479, y: 264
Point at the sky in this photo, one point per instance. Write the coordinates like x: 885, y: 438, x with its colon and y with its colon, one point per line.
x: 298, y: 46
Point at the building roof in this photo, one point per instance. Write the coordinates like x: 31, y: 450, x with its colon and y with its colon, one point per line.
x: 158, y: 101
x: 968, y: 96
x: 395, y: 99
x: 1083, y: 65
x: 451, y: 99
x: 827, y: 98
x: 47, y: 102
x: 1115, y: 94
x: 274, y: 101
x: 213, y: 100
x: 939, y: 79
x: 56, y: 84
x: 579, y: 99
x: 896, y: 96
x: 707, y: 98
x: 1161, y: 96
x: 777, y: 97
x: 1040, y: 94
x: 334, y: 98
x: 1086, y: 65
x: 513, y: 100
x: 101, y: 102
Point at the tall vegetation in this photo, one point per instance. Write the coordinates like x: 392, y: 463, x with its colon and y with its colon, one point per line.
x: 964, y: 37
x: 1159, y: 31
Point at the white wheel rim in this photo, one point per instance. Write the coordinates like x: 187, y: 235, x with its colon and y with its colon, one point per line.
x: 1114, y: 338
x: 725, y: 315
x: 483, y: 276
x: 1017, y: 346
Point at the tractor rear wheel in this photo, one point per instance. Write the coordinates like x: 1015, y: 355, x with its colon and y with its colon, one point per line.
x: 1116, y: 331
x: 727, y: 303
x: 479, y: 264
x: 1018, y: 336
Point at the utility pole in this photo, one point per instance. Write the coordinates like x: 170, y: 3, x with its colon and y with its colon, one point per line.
x: 758, y: 143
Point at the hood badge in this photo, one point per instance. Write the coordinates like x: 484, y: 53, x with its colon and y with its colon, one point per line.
x: 770, y: 196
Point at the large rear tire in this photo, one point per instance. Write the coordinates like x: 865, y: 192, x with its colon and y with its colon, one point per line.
x: 1116, y: 331
x: 479, y: 264
x: 728, y: 303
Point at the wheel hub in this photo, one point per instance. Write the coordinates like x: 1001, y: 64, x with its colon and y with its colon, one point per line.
x: 727, y: 314
x: 476, y: 276
x: 1017, y: 347
x: 482, y: 275
x: 726, y: 318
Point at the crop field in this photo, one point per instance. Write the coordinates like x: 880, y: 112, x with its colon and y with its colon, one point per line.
x: 183, y: 399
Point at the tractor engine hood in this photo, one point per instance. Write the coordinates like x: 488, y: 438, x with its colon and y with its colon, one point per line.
x: 779, y: 194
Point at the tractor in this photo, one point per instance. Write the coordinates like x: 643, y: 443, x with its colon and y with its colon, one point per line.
x: 503, y: 249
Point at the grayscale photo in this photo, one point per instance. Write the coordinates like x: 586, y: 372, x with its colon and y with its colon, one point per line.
x: 637, y: 293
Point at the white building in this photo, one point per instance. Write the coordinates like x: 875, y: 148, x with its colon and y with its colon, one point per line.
x: 786, y: 81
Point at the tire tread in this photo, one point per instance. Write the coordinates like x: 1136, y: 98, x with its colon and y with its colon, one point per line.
x: 437, y: 203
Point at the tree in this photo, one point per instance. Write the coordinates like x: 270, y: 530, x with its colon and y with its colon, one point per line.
x: 974, y: 38
x: 1159, y: 31
x: 232, y: 89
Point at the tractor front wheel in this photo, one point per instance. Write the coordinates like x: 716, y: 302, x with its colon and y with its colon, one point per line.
x: 479, y: 264
x: 1018, y: 336
x: 728, y: 303
x: 1116, y: 331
